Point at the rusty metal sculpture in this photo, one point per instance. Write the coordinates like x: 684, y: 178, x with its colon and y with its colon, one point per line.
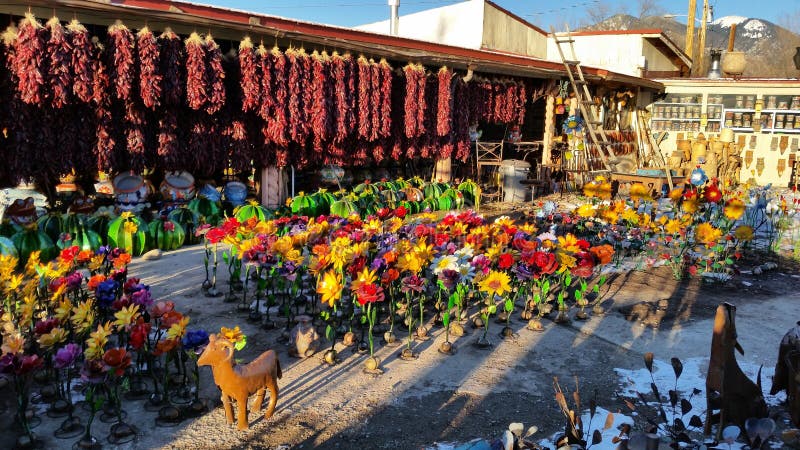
x: 727, y: 388
x: 786, y: 371
x: 239, y: 382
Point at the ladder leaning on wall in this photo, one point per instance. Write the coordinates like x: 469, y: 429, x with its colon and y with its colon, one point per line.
x: 581, y: 90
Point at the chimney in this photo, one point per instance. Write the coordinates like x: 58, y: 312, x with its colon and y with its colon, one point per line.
x: 714, y: 71
x: 394, y: 19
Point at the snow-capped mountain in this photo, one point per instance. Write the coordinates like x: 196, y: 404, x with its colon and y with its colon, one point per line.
x: 769, y: 47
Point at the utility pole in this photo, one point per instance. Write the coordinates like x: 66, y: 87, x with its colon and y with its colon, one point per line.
x: 689, y: 47
x: 701, y: 50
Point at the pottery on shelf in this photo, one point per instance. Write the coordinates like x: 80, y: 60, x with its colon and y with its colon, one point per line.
x: 235, y: 193
x: 129, y: 190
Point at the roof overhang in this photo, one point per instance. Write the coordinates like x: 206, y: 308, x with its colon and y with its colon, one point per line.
x: 232, y: 24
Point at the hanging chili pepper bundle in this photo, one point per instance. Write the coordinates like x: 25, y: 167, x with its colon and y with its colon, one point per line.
x: 522, y: 99
x: 375, y: 100
x: 106, y: 126
x: 239, y: 149
x: 134, y: 135
x: 422, y: 96
x: 80, y: 61
x: 59, y: 76
x: 462, y: 119
x: 276, y: 131
x: 196, y: 91
x: 410, y: 104
x: 341, y: 104
x: 168, y: 139
x: 444, y: 102
x: 321, y: 101
x: 351, y: 80
x: 386, y: 99
x: 266, y: 93
x: 171, y: 63
x: 214, y: 76
x: 297, y: 69
x: 120, y: 48
x: 149, y: 70
x: 28, y: 65
x: 198, y: 144
x: 427, y: 145
x: 364, y: 98
x: 250, y: 80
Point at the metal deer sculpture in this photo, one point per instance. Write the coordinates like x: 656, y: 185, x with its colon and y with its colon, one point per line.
x: 786, y: 371
x: 727, y: 388
x: 239, y: 382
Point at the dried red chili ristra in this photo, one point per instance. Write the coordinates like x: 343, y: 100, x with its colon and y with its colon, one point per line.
x: 295, y: 86
x: 522, y: 99
x: 320, y: 102
x: 238, y: 157
x: 215, y: 76
x: 364, y: 98
x: 171, y: 64
x: 134, y: 135
x: 375, y: 100
x: 276, y: 130
x: 386, y: 99
x: 149, y: 68
x: 59, y: 76
x: 168, y: 139
x: 351, y: 79
x: 444, y: 102
x: 340, y: 103
x: 250, y: 80
x: 122, y: 65
x: 410, y: 105
x: 107, y: 131
x: 28, y: 64
x: 422, y: 105
x: 196, y: 91
x: 80, y: 61
x: 461, y: 119
x: 264, y: 61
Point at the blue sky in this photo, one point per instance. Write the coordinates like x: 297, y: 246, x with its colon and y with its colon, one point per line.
x: 539, y: 12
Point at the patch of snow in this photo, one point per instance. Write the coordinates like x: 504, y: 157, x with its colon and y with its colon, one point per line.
x: 755, y: 29
x: 727, y: 21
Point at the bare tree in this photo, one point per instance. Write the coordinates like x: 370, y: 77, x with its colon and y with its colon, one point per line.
x: 791, y: 21
x: 599, y: 12
x: 647, y: 8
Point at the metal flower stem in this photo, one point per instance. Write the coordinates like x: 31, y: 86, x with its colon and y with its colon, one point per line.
x: 391, y: 309
x: 214, y: 270
x: 371, y: 319
x: 487, y: 316
x: 206, y: 260
x: 22, y: 385
x: 410, y: 315
x: 246, y: 282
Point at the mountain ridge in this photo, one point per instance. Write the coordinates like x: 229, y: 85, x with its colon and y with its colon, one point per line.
x: 769, y: 48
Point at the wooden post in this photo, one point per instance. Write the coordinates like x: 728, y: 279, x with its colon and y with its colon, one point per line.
x: 689, y: 47
x: 443, y: 172
x: 701, y: 46
x: 273, y: 187
x: 549, y: 128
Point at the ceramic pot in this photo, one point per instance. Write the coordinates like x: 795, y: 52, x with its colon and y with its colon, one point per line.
x: 726, y: 135
x: 733, y: 63
x: 129, y: 190
x: 235, y: 193
x: 178, y: 187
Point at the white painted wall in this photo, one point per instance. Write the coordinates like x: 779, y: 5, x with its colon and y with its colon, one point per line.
x: 460, y: 25
x: 619, y: 53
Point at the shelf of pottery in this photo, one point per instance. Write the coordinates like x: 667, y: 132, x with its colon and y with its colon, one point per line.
x: 766, y: 128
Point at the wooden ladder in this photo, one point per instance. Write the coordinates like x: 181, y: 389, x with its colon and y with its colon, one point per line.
x: 581, y: 89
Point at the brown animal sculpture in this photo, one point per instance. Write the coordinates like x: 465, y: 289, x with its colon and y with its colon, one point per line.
x: 239, y: 382
x: 786, y: 371
x: 727, y: 388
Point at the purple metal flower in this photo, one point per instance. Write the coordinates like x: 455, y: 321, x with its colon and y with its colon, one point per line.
x: 66, y: 355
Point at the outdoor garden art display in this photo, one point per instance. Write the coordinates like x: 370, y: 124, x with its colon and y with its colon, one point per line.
x: 79, y: 327
x: 405, y: 272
